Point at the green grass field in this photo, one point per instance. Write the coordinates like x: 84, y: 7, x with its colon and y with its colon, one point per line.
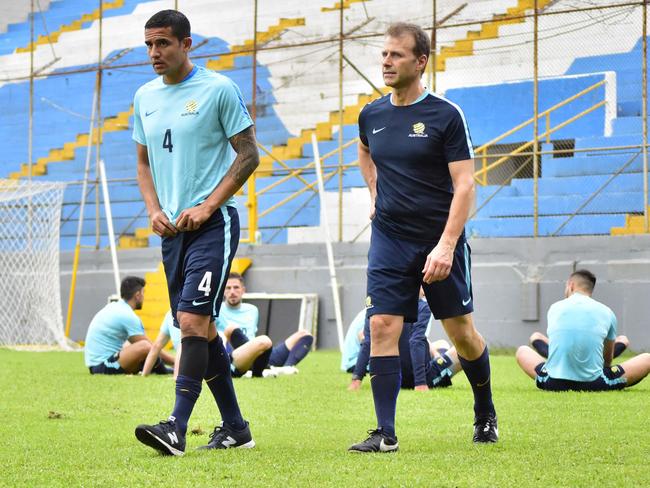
x: 303, y: 425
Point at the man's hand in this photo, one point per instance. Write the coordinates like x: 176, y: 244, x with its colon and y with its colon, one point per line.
x: 161, y: 225
x: 438, y: 263
x: 192, y: 218
x: 354, y: 385
x: 421, y: 388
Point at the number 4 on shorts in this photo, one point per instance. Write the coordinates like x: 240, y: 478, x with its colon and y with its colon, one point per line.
x: 204, y: 286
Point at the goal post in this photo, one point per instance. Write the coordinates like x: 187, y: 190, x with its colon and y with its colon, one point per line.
x: 30, y: 295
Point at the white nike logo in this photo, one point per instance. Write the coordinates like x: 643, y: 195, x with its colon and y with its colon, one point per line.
x: 383, y: 447
x: 376, y: 131
x: 465, y: 302
x: 196, y: 304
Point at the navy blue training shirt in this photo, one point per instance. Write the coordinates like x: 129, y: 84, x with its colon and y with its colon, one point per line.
x: 411, y: 147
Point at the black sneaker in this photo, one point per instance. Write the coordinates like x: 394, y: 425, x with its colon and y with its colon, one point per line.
x: 224, y: 437
x: 485, y: 429
x: 377, y: 441
x: 164, y: 437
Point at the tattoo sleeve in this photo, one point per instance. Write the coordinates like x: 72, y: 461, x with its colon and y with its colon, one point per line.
x: 248, y: 157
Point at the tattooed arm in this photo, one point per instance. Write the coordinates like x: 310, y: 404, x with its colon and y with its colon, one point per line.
x: 242, y: 167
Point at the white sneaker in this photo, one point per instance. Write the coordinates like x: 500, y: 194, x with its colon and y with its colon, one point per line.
x: 269, y: 373
x: 287, y: 370
x: 248, y: 374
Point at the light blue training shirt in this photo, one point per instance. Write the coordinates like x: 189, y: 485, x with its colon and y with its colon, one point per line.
x: 577, y: 329
x: 245, y: 316
x: 167, y: 328
x: 108, y: 330
x: 352, y: 344
x: 186, y: 128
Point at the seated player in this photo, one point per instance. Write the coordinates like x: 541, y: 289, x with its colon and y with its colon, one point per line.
x: 423, y: 365
x: 581, y: 342
x: 283, y: 357
x: 352, y: 343
x: 105, y: 351
x: 167, y: 332
x: 248, y: 354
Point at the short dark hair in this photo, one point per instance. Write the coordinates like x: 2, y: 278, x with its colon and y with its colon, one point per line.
x: 236, y: 276
x: 422, y: 41
x: 584, y: 279
x: 170, y: 18
x: 130, y: 286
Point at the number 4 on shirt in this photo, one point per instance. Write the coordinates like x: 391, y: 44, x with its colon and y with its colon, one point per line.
x: 167, y: 140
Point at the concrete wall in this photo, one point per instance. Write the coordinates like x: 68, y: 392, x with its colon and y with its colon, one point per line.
x: 515, y: 281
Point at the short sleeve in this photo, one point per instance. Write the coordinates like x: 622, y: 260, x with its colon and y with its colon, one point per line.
x: 611, y: 334
x: 233, y: 113
x: 362, y: 127
x: 134, y: 326
x: 138, y: 130
x: 457, y: 141
x: 166, y: 323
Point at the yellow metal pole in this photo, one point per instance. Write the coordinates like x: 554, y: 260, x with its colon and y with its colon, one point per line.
x: 252, y: 209
x: 73, y: 286
x: 535, y: 125
x: 644, y: 111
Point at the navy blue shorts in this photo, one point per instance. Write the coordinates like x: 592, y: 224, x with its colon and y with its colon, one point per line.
x: 395, y: 275
x: 439, y: 372
x: 610, y: 379
x: 237, y: 339
x: 197, y: 263
x: 109, y: 366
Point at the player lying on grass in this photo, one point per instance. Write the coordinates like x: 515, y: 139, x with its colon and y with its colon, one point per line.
x: 424, y: 365
x: 581, y: 343
x: 105, y: 351
x: 167, y: 332
x: 282, y: 357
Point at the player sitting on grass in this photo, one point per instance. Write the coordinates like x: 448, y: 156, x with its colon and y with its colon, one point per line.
x: 282, y: 357
x: 105, y: 350
x: 581, y: 335
x: 424, y: 365
x: 167, y: 332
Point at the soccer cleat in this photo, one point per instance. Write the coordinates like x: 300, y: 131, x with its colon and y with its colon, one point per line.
x: 485, y: 429
x: 285, y: 370
x: 269, y: 373
x: 377, y: 441
x: 164, y: 437
x: 224, y: 437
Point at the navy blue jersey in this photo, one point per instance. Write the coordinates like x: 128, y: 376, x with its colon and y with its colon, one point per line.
x: 411, y: 147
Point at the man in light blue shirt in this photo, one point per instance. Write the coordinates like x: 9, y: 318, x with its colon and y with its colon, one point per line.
x: 114, y: 325
x: 581, y: 342
x: 167, y: 332
x: 352, y: 343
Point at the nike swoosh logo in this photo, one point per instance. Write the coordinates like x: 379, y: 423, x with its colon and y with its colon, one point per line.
x: 383, y: 447
x: 147, y: 114
x: 483, y: 384
x: 377, y: 131
x: 196, y: 304
x: 465, y: 302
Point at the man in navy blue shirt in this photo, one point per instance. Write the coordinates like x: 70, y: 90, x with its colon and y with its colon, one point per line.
x: 416, y: 156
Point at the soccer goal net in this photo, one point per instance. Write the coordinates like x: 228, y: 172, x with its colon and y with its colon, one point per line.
x: 30, y: 215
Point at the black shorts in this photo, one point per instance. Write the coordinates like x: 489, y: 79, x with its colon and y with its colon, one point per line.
x: 610, y: 379
x: 197, y: 263
x: 395, y: 275
x: 109, y: 366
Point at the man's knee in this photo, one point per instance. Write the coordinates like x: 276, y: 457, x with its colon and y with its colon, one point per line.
x: 463, y: 336
x: 141, y: 348
x: 623, y: 340
x: 263, y: 342
x: 536, y: 336
x: 229, y: 330
x: 522, y: 352
x: 383, y: 327
x: 193, y: 324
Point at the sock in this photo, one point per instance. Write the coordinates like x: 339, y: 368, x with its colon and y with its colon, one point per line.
x: 299, y: 351
x: 478, y: 375
x: 160, y: 368
x: 261, y: 363
x: 541, y: 347
x: 385, y: 380
x: 194, y: 360
x: 619, y: 347
x: 219, y: 380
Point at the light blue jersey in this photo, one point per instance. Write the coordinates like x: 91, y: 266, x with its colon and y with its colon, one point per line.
x: 245, y: 316
x: 108, y: 330
x: 351, y: 344
x: 167, y: 328
x: 577, y: 328
x: 186, y: 128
